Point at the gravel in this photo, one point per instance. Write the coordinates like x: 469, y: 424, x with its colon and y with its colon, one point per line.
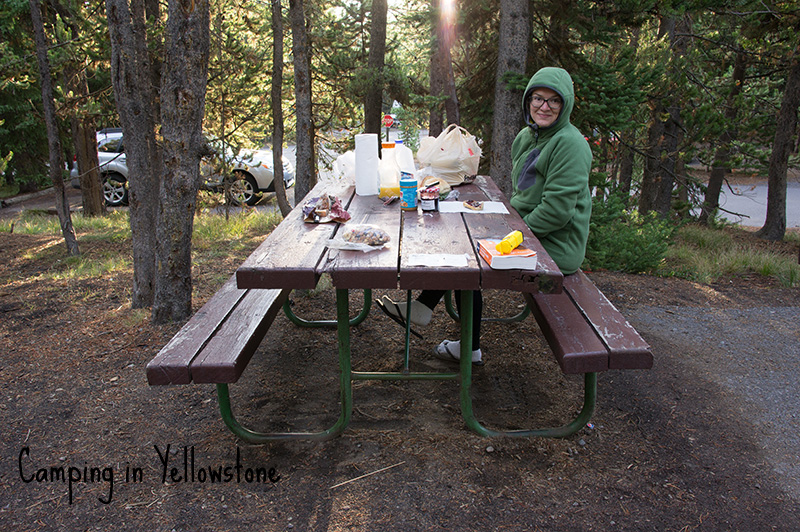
x: 754, y: 355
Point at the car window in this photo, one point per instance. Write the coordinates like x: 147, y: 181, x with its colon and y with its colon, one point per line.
x: 112, y: 145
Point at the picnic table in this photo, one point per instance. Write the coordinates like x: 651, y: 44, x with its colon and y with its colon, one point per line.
x: 426, y: 250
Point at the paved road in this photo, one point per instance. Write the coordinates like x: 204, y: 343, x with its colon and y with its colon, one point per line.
x: 749, y: 202
x: 753, y: 356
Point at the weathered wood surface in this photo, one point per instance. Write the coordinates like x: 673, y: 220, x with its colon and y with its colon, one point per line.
x: 227, y: 354
x: 545, y: 278
x: 290, y: 255
x: 433, y: 234
x: 216, y: 343
x: 627, y: 349
x: 573, y: 341
x: 171, y: 364
x: 374, y: 269
x: 585, y: 331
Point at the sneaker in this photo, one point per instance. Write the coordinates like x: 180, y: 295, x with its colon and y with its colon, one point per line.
x: 451, y: 351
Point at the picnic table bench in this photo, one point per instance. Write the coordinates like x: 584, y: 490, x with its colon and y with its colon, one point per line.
x: 585, y: 332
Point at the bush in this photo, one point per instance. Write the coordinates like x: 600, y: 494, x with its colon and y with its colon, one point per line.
x: 621, y: 239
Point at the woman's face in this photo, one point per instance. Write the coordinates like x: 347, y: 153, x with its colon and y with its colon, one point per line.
x: 545, y: 106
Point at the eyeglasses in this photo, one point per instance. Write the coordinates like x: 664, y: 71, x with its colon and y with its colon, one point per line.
x: 553, y: 103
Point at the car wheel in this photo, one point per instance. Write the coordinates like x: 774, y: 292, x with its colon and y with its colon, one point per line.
x: 242, y: 189
x: 115, y: 190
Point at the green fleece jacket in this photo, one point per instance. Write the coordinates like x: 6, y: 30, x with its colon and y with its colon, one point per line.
x: 550, y: 176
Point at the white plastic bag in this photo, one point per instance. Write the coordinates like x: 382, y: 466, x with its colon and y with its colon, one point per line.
x: 452, y: 155
x: 344, y: 167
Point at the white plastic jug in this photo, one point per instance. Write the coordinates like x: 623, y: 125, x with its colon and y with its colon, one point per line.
x: 389, y: 171
x: 366, y: 165
x: 404, y: 157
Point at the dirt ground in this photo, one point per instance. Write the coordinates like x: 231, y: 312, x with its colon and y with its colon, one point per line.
x: 677, y: 447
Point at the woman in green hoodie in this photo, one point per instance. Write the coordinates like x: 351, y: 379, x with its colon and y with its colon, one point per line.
x: 550, y: 173
x: 550, y: 176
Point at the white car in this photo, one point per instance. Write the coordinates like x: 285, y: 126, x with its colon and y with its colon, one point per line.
x: 113, y: 168
x: 243, y: 177
x: 249, y: 175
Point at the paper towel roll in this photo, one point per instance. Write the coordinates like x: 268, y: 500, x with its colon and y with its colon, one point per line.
x: 367, y: 164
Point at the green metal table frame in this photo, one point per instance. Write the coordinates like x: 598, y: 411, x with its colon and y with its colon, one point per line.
x: 343, y: 323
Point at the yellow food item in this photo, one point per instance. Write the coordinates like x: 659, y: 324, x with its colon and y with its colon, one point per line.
x: 509, y: 242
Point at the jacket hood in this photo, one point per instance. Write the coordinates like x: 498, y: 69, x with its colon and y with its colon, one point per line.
x: 560, y: 81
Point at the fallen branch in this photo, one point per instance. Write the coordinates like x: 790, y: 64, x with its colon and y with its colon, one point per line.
x: 366, y: 475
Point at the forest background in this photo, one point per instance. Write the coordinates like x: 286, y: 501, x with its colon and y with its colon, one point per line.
x: 659, y: 84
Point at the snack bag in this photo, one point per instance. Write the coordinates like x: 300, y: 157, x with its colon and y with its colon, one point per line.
x: 452, y: 155
x: 360, y: 238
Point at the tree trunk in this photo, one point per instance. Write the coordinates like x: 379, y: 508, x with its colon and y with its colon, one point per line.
x: 84, y: 139
x: 373, y: 101
x: 277, y: 106
x: 626, y: 163
x: 441, y: 71
x: 775, y: 224
x: 305, y: 171
x: 135, y: 95
x: 665, y: 135
x: 722, y: 165
x: 82, y: 125
x: 51, y: 122
x: 152, y: 13
x: 183, y: 92
x: 512, y: 49
x: 651, y: 175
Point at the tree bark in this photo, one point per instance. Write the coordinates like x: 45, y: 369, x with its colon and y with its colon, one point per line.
x: 183, y: 91
x: 373, y: 101
x: 775, y: 225
x: 626, y: 163
x: 722, y: 165
x: 84, y: 139
x: 135, y: 95
x: 305, y: 171
x: 507, y: 120
x: 442, y: 78
x: 51, y: 122
x: 665, y: 135
x: 82, y: 125
x: 651, y: 176
x: 277, y: 107
x: 436, y: 118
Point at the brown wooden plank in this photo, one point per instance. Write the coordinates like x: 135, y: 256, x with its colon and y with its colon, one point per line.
x: 226, y: 354
x: 171, y: 364
x: 572, y: 340
x: 431, y: 234
x: 497, y: 226
x: 293, y: 250
x: 551, y: 277
x: 627, y: 349
x: 375, y: 269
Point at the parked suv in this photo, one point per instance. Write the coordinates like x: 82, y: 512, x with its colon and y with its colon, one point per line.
x: 245, y: 176
x: 249, y: 175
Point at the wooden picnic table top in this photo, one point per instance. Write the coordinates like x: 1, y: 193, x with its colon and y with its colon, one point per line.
x: 295, y: 254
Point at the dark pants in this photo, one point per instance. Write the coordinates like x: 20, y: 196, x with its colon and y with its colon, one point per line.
x: 430, y: 298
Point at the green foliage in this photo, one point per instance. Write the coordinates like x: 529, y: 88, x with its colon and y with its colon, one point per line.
x: 21, y: 129
x: 621, y: 239
x: 209, y: 230
x: 238, y: 107
x: 705, y: 255
x: 214, y: 238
